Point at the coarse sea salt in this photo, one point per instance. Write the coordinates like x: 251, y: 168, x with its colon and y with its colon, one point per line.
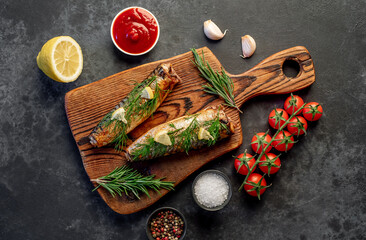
x: 211, y: 190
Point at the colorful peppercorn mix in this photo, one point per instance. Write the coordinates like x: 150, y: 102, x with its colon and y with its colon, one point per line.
x: 166, y: 225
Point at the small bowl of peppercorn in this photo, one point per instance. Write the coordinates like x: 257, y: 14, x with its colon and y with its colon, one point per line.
x: 166, y: 223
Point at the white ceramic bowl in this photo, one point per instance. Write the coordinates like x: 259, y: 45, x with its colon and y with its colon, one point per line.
x: 135, y: 54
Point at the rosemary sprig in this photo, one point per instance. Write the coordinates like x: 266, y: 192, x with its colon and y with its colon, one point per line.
x: 218, y: 83
x: 269, y: 144
x: 135, y: 107
x: 127, y: 180
x: 215, y: 127
x: 149, y: 148
x: 189, y: 135
x: 141, y: 107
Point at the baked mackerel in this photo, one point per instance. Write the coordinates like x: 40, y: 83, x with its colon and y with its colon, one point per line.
x: 183, y: 134
x: 135, y: 108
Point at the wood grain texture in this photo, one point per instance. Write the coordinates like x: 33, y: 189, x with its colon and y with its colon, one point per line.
x: 86, y: 106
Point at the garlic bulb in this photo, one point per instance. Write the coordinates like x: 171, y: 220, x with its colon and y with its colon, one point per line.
x: 212, y: 31
x: 248, y: 46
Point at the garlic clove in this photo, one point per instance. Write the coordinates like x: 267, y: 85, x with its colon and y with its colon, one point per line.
x: 212, y: 31
x: 248, y: 46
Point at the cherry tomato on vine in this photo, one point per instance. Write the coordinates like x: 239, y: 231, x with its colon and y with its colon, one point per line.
x: 255, y: 185
x: 277, y: 118
x: 297, y: 126
x: 293, y: 103
x: 284, y: 141
x: 243, y: 161
x: 260, y: 141
x: 312, y: 111
x: 269, y: 163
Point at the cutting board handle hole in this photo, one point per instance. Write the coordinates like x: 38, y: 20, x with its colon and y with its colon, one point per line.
x: 291, y: 67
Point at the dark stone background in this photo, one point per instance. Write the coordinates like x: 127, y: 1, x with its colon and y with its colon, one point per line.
x: 319, y: 192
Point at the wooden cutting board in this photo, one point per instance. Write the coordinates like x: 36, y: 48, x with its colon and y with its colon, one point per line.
x: 86, y: 106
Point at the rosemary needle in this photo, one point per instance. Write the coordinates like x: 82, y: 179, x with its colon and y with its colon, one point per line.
x: 125, y: 180
x: 218, y: 83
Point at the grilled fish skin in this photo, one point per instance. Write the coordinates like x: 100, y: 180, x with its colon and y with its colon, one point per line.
x: 144, y: 148
x: 106, y: 131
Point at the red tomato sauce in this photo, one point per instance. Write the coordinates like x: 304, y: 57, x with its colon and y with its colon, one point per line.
x: 135, y: 30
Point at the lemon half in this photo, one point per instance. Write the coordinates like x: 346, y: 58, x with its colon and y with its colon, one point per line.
x: 61, y: 59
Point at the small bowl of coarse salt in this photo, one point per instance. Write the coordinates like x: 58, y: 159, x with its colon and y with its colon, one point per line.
x: 211, y: 190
